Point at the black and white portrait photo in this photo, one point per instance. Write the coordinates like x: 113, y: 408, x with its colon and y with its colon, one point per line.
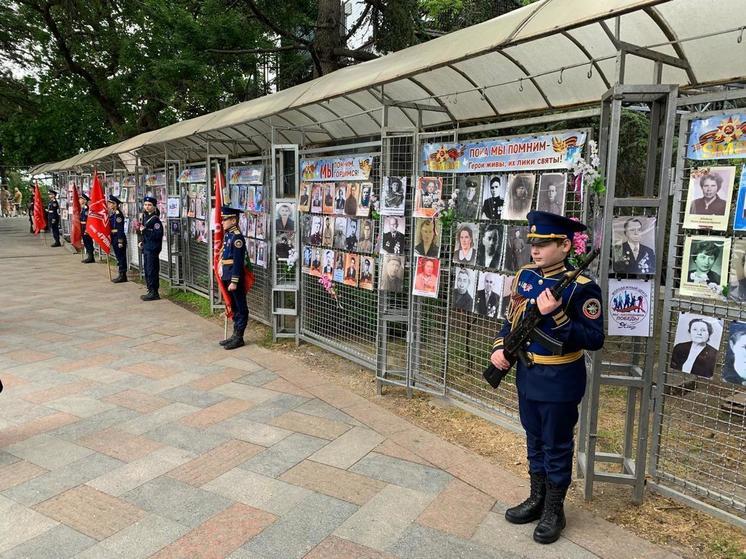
x: 351, y: 235
x: 367, y: 273
x: 517, y: 249
x: 340, y: 196
x: 696, y: 344
x: 352, y: 200
x: 305, y: 227
x: 493, y: 197
x: 426, y: 196
x: 489, y: 292
x: 704, y: 266
x: 469, y: 197
x: 315, y: 237
x: 709, y: 197
x: 352, y: 265
x: 315, y: 269
x: 365, y: 241
x: 737, y: 279
x: 307, y: 255
x: 284, y: 217
x: 489, y: 251
x: 519, y: 195
x: 427, y: 234
x: 551, y: 195
x: 328, y: 202
x: 304, y: 201
x: 391, y: 276
x: 393, y: 235
x: 734, y: 368
x: 507, y: 285
x: 466, y: 240
x: 364, y: 202
x: 283, y: 244
x: 340, y: 232
x: 327, y: 232
x: 327, y: 269
x: 634, y: 245
x: 464, y: 289
x: 394, y: 195
x: 316, y: 195
x: 261, y: 254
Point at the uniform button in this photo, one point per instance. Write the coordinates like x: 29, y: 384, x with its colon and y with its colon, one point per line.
x: 541, y: 282
x: 533, y: 301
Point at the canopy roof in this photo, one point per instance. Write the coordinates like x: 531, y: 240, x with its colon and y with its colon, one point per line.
x: 552, y: 54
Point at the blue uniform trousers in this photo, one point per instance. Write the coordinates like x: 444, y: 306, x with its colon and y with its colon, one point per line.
x: 152, y: 268
x: 238, y: 302
x: 549, y: 437
x: 88, y: 244
x: 121, y: 254
x: 55, y: 227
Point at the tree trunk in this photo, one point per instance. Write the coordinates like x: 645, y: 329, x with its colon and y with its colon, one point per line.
x: 328, y: 37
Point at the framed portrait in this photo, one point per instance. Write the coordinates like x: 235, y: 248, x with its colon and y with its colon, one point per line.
x: 259, y: 199
x: 307, y: 256
x: 261, y: 225
x: 367, y: 272
x: 391, y: 277
x: 250, y: 200
x: 327, y: 231
x: 315, y: 268
x: 392, y: 240
x: 340, y: 233
x: 352, y: 267
x: 520, y: 192
x: 352, y: 201
x: 633, y: 249
x: 327, y: 269
x: 284, y: 217
x: 366, y: 197
x: 305, y: 227
x: 466, y: 243
x: 489, y: 294
x: 709, y: 197
x: 507, y: 286
x: 696, y: 345
x: 464, y: 289
x: 316, y: 198
x: 469, y: 199
x: 517, y: 249
x: 284, y: 243
x: 251, y: 250
x: 426, y: 277
x: 315, y: 237
x: 490, y: 248
x: 394, y: 195
x: 365, y: 238
x: 304, y: 198
x: 243, y: 223
x: 704, y: 265
x: 351, y: 234
x: 340, y: 196
x: 261, y: 254
x: 327, y: 204
x: 552, y: 193
x: 426, y: 196
x: 201, y: 233
x: 734, y: 367
x: 339, y: 266
x: 737, y: 278
x: 739, y: 220
x: 630, y: 306
x: 427, y: 235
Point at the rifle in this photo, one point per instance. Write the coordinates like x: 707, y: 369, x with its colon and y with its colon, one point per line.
x: 526, y: 331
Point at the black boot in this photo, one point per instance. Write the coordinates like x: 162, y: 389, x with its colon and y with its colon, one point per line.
x: 150, y: 296
x: 121, y: 278
x: 56, y: 244
x: 89, y: 259
x: 530, y: 509
x: 552, y: 520
x: 226, y: 341
x: 235, y: 341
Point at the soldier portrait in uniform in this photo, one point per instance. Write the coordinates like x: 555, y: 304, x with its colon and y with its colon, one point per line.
x: 551, y: 195
x: 305, y: 229
x: 507, y: 285
x: 367, y: 273
x: 696, y: 344
x: 352, y: 265
x: 328, y: 269
x: 489, y: 294
x: 340, y: 195
x: 633, y: 251
x: 426, y: 196
x: 394, y: 194
x: 363, y: 206
x: 393, y: 235
x: 520, y: 194
x: 284, y: 217
x: 489, y: 253
x: 304, y: 201
x: 734, y: 368
x: 340, y: 232
x: 709, y: 197
x: 517, y: 249
x: 464, y: 289
x: 351, y: 202
x: 469, y: 197
x: 465, y: 243
x: 703, y: 266
x: 737, y: 280
x: 426, y: 277
x: 316, y: 203
x: 391, y: 277
x: 327, y: 233
x: 365, y: 236
x: 493, y: 194
x: 315, y: 269
x: 307, y: 255
x: 427, y: 234
x: 315, y: 237
x: 261, y: 254
x: 351, y: 236
x: 328, y: 202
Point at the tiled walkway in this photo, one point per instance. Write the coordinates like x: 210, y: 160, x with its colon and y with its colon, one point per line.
x: 126, y: 432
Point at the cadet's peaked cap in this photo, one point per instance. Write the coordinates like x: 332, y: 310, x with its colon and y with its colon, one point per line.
x: 228, y: 211
x: 53, y: 192
x: 114, y: 199
x: 85, y: 196
x: 150, y: 199
x: 546, y: 226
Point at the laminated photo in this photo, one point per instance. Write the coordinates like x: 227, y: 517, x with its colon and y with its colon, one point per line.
x: 427, y: 235
x: 464, y: 289
x: 316, y: 198
x: 339, y: 266
x: 340, y: 232
x: 734, y: 368
x: 392, y: 240
x: 353, y: 199
x: 517, y: 249
x: 327, y: 231
x: 709, y: 197
x: 633, y: 251
x: 365, y: 240
x: 552, y: 193
x: 696, y: 344
x: 284, y: 217
x: 493, y: 197
x: 507, y: 286
x: 468, y: 200
x: 366, y: 197
x: 327, y: 206
x: 704, y: 266
x: 315, y: 269
x: 261, y: 254
x: 466, y: 241
x: 630, y: 307
x: 737, y: 277
x: 340, y: 195
x: 427, y: 277
x: 739, y: 220
x: 352, y: 266
x: 489, y: 291
x: 367, y: 272
x: 304, y: 200
x: 393, y: 196
x: 426, y: 196
x: 520, y: 192
x: 391, y: 278
x: 307, y: 257
x: 490, y: 253
x: 327, y: 269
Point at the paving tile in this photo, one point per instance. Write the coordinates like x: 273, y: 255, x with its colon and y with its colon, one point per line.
x: 19, y: 524
x: 248, y: 393
x: 319, y: 408
x: 106, y: 375
x: 60, y: 542
x: 277, y: 406
x: 311, y: 425
x: 459, y: 510
x: 403, y: 473
x: 298, y: 531
x: 137, y: 401
x: 243, y: 429
x: 34, y: 427
x: 430, y: 447
x: 258, y: 491
x: 425, y: 543
x: 119, y: 444
x: 334, y: 482
x: 91, y: 512
x: 48, y: 452
x: 276, y: 460
x: 214, y: 380
x: 339, y: 548
x: 377, y: 418
x: 170, y: 383
x: 15, y: 473
x: 193, y: 397
x: 28, y: 356
x: 215, y: 462
x: 220, y: 535
x: 43, y: 396
x: 258, y: 378
x: 348, y: 448
x: 242, y: 364
x: 297, y: 373
x: 88, y: 361
x: 81, y: 406
x: 7, y: 458
x: 390, y: 448
x: 151, y: 421
x: 336, y: 395
x: 384, y: 519
x: 281, y: 385
x: 216, y: 413
x: 150, y: 370
x: 95, y: 423
x: 187, y: 438
x: 490, y: 479
x: 177, y: 501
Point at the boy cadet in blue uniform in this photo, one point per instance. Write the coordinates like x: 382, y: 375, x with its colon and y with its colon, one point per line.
x: 232, y: 275
x: 151, y: 229
x: 53, y: 217
x: 550, y: 390
x: 118, y: 238
x: 87, y: 241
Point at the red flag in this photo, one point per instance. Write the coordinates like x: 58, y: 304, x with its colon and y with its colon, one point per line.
x: 76, y: 239
x: 217, y: 240
x: 40, y: 216
x: 97, y: 225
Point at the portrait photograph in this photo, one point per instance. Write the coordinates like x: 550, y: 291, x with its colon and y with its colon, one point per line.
x: 493, y: 197
x: 315, y: 269
x: 251, y: 250
x: 469, y: 197
x: 315, y: 237
x: 201, y: 204
x: 517, y: 249
x: 704, y: 266
x: 507, y: 285
x: 283, y: 244
x: 426, y: 196
x: 327, y: 231
x: 261, y: 226
x: 520, y: 192
x: 199, y: 233
x: 261, y: 254
x: 304, y: 199
x: 392, y: 240
x: 393, y: 196
x: 708, y: 199
x: 340, y: 233
x: 238, y: 198
x: 367, y: 272
x: 327, y: 205
x: 340, y: 195
x: 466, y: 243
x: 339, y: 266
x: 244, y: 224
x: 737, y: 277
x: 552, y: 192
x: 464, y: 289
x: 351, y: 234
x: 633, y: 249
x: 426, y: 277
x: 352, y: 266
x: 250, y: 202
x: 284, y: 217
x: 259, y: 200
x: 365, y: 240
x: 734, y: 367
x: 739, y: 221
x: 307, y: 256
x: 489, y: 294
x: 427, y: 235
x: 316, y: 195
x: 353, y: 199
x: 327, y: 269
x: 696, y: 344
x: 366, y: 195
x: 391, y: 276
x: 305, y: 227
x: 490, y: 248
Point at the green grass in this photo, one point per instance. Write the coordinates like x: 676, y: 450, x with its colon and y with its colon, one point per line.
x: 724, y: 549
x: 192, y: 301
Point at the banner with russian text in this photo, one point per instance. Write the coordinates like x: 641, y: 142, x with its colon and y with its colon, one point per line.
x: 337, y: 169
x: 718, y: 137
x: 545, y: 151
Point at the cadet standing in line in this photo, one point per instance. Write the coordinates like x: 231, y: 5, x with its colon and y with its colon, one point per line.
x: 53, y: 217
x: 151, y: 229
x: 118, y: 238
x: 550, y: 390
x: 87, y: 241
x: 232, y: 275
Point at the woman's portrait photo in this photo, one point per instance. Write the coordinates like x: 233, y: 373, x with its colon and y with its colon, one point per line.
x: 464, y: 289
x: 365, y: 236
x: 465, y: 243
x: 633, y: 251
x: 367, y: 273
x: 284, y: 217
x: 394, y: 194
x: 427, y: 237
x: 734, y: 368
x: 340, y: 195
x: 327, y: 206
x: 489, y: 253
x: 426, y: 277
x: 739, y: 220
x: 696, y: 344
x: 426, y: 196
x: 469, y: 197
x: 261, y: 228
x: 352, y: 265
x: 489, y: 291
x: 703, y: 266
x: 737, y: 279
x: 366, y: 194
x: 520, y: 194
x: 316, y: 194
x: 551, y: 195
x: 708, y: 199
x: 493, y: 197
x: 304, y: 201
x: 340, y: 233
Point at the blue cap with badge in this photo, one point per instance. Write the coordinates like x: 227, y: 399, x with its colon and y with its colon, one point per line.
x: 150, y: 199
x: 228, y: 211
x: 546, y: 226
x: 114, y: 199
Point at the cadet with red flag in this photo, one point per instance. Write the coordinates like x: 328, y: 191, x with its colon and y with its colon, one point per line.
x: 97, y: 220
x: 87, y: 241
x: 232, y: 276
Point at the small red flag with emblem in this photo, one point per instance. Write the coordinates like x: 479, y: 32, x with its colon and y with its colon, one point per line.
x: 76, y: 238
x: 97, y: 225
x: 40, y: 216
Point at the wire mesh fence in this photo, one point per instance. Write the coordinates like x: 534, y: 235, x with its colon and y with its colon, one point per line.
x: 195, y: 237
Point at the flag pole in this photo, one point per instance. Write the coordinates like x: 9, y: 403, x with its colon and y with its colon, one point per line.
x: 108, y: 265
x: 225, y: 326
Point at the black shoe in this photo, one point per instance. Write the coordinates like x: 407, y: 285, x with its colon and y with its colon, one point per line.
x: 57, y: 244
x: 530, y: 509
x: 552, y: 520
x: 226, y: 341
x: 89, y: 259
x: 121, y: 278
x: 236, y: 341
x: 150, y: 296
